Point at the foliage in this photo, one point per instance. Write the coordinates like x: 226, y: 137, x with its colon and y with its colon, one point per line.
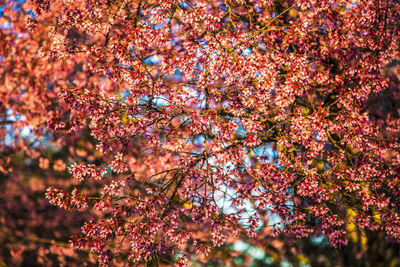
x: 212, y: 121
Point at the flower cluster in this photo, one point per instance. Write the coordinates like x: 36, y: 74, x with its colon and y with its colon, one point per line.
x: 209, y: 117
x: 60, y: 198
